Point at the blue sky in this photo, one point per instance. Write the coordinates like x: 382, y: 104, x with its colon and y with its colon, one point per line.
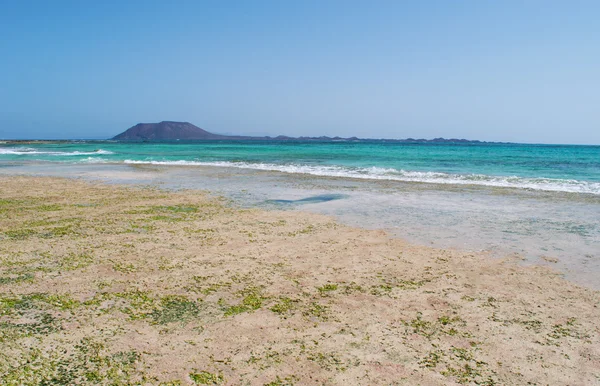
x: 525, y: 71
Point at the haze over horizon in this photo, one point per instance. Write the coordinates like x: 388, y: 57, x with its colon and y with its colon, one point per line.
x: 482, y: 70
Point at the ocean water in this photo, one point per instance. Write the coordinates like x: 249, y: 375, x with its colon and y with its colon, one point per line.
x: 539, y: 203
x: 540, y: 167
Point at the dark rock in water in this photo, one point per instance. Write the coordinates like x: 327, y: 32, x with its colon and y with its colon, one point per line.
x: 311, y: 200
x: 166, y: 131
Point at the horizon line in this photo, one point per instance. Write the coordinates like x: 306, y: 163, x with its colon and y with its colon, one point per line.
x: 255, y: 138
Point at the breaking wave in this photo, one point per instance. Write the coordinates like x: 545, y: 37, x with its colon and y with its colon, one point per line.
x: 29, y: 150
x: 376, y: 173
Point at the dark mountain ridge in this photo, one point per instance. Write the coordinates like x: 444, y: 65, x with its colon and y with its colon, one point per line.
x: 185, y: 131
x: 164, y: 131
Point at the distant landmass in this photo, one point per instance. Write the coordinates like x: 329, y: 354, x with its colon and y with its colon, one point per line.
x: 165, y: 131
x: 185, y: 131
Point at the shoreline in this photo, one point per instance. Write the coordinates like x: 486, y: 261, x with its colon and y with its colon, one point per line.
x: 427, y: 179
x: 560, y: 230
x: 181, y: 287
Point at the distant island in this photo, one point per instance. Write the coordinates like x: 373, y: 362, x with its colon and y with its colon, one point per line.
x: 166, y: 131
x: 185, y: 131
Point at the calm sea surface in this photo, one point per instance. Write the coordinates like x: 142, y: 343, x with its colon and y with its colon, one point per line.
x: 541, y: 167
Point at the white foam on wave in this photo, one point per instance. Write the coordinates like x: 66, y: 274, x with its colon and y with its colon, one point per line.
x: 16, y: 150
x: 376, y: 173
x: 94, y: 160
x: 32, y: 151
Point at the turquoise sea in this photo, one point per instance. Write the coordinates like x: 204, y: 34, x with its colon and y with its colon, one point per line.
x: 539, y: 204
x: 539, y: 167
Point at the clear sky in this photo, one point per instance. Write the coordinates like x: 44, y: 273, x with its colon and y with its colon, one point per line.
x: 524, y: 71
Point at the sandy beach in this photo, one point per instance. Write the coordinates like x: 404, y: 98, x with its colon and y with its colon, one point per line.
x: 107, y: 284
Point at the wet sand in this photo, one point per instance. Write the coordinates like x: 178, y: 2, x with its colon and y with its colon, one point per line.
x: 105, y: 284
